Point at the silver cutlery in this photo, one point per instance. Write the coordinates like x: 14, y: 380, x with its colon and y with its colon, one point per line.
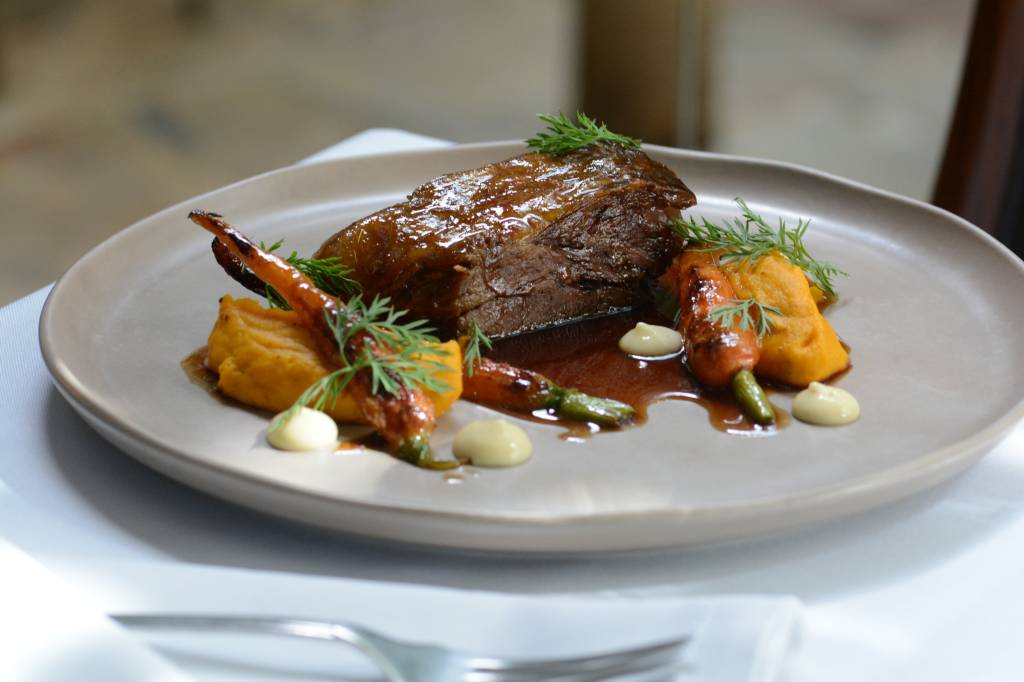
x: 407, y: 662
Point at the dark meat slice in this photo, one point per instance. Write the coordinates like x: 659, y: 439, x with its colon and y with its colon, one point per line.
x: 524, y: 243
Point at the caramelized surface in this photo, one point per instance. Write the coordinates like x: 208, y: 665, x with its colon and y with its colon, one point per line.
x: 591, y: 222
x: 464, y: 212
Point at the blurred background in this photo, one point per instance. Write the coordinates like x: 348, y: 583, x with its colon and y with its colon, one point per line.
x: 113, y: 109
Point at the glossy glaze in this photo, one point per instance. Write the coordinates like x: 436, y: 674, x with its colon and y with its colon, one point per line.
x: 499, y: 231
x: 585, y: 355
x: 715, y: 353
x: 465, y: 211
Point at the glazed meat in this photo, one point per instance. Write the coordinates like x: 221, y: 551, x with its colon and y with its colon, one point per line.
x: 524, y: 243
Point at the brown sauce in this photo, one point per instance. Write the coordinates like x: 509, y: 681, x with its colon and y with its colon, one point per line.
x: 585, y: 355
x: 197, y: 372
x: 194, y: 366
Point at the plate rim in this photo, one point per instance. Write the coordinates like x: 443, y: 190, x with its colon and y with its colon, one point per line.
x: 950, y: 458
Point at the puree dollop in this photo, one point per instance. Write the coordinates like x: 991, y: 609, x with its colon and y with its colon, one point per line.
x: 305, y: 429
x: 650, y: 340
x: 492, y: 443
x: 825, y: 405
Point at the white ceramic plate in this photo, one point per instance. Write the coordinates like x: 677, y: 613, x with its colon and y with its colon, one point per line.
x: 931, y: 309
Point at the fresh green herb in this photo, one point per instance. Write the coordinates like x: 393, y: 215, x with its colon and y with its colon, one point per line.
x: 321, y: 395
x: 471, y: 354
x: 751, y: 237
x: 397, y: 354
x: 329, y: 275
x: 740, y: 310
x: 563, y: 136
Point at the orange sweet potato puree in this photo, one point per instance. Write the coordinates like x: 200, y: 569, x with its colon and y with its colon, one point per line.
x: 266, y: 359
x: 802, y: 346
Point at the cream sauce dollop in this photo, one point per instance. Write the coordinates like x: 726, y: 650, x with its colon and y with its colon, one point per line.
x: 492, y: 443
x: 825, y: 405
x: 650, y: 340
x: 306, y: 429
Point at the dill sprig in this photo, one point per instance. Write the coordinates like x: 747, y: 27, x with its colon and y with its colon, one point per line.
x: 751, y: 237
x: 471, y: 354
x: 329, y: 275
x: 739, y: 309
x: 397, y: 354
x: 563, y: 136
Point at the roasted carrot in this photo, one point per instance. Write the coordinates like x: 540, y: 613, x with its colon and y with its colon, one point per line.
x: 404, y: 419
x: 500, y: 384
x: 715, y: 353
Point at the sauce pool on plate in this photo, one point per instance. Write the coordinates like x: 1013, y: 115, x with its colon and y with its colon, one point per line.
x: 586, y: 355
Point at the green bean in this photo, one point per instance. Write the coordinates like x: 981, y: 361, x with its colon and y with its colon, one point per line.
x: 752, y: 398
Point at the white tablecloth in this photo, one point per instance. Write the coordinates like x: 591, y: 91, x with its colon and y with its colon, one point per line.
x: 929, y: 588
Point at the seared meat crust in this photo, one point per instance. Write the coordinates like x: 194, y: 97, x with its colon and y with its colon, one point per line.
x: 524, y: 243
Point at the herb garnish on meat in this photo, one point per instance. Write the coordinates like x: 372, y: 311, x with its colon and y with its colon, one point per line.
x: 563, y: 136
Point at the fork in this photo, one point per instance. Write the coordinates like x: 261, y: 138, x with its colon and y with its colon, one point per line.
x: 404, y: 661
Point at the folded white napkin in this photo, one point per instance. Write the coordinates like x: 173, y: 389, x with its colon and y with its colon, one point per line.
x: 735, y: 638
x: 50, y: 632
x: 376, y: 141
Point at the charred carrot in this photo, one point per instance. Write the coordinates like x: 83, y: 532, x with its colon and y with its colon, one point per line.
x: 404, y: 417
x: 500, y: 384
x: 716, y: 353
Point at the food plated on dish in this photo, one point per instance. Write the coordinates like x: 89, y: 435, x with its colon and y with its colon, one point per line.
x: 928, y: 303
x: 498, y: 285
